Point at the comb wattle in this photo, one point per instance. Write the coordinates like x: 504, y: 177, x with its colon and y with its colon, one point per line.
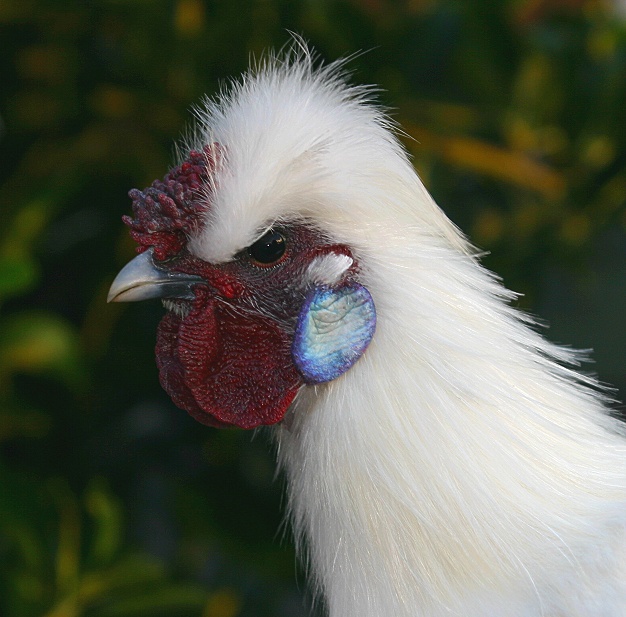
x: 168, y: 210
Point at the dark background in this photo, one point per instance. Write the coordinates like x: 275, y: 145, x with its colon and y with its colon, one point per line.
x: 112, y: 501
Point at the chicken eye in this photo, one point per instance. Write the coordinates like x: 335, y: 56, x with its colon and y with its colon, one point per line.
x: 268, y: 249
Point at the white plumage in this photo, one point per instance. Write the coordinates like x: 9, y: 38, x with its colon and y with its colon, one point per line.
x: 462, y: 466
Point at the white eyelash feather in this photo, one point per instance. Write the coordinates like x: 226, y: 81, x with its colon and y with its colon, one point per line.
x: 327, y: 269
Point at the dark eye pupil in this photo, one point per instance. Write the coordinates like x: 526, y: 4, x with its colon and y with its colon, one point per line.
x: 269, y: 248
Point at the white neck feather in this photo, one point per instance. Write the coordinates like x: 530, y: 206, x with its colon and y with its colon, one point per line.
x: 458, y: 468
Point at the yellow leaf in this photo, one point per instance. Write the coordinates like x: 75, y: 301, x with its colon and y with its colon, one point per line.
x: 490, y: 160
x: 223, y: 603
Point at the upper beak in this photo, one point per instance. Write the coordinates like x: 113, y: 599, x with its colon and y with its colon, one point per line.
x: 140, y: 279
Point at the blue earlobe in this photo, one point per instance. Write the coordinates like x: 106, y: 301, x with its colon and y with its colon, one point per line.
x: 334, y: 328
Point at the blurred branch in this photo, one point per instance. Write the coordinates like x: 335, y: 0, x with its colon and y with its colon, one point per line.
x: 487, y: 159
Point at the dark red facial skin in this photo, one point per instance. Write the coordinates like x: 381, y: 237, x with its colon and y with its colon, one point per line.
x: 228, y: 360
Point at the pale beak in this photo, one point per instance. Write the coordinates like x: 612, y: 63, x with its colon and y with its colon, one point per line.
x: 141, y: 279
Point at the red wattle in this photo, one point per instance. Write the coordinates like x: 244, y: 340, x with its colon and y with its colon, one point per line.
x: 225, y: 367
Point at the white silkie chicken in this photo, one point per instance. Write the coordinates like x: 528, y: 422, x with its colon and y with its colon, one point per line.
x: 450, y: 463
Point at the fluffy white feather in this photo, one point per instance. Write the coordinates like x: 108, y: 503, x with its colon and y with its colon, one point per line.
x: 462, y: 466
x: 327, y: 269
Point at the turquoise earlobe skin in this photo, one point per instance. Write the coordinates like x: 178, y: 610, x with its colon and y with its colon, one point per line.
x: 334, y: 328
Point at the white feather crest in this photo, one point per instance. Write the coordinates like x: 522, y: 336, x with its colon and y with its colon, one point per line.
x: 298, y: 142
x: 461, y: 467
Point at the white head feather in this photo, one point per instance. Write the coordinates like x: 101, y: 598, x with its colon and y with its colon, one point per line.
x: 461, y: 467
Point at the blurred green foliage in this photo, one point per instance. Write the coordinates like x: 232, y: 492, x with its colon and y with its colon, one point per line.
x: 112, y: 502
